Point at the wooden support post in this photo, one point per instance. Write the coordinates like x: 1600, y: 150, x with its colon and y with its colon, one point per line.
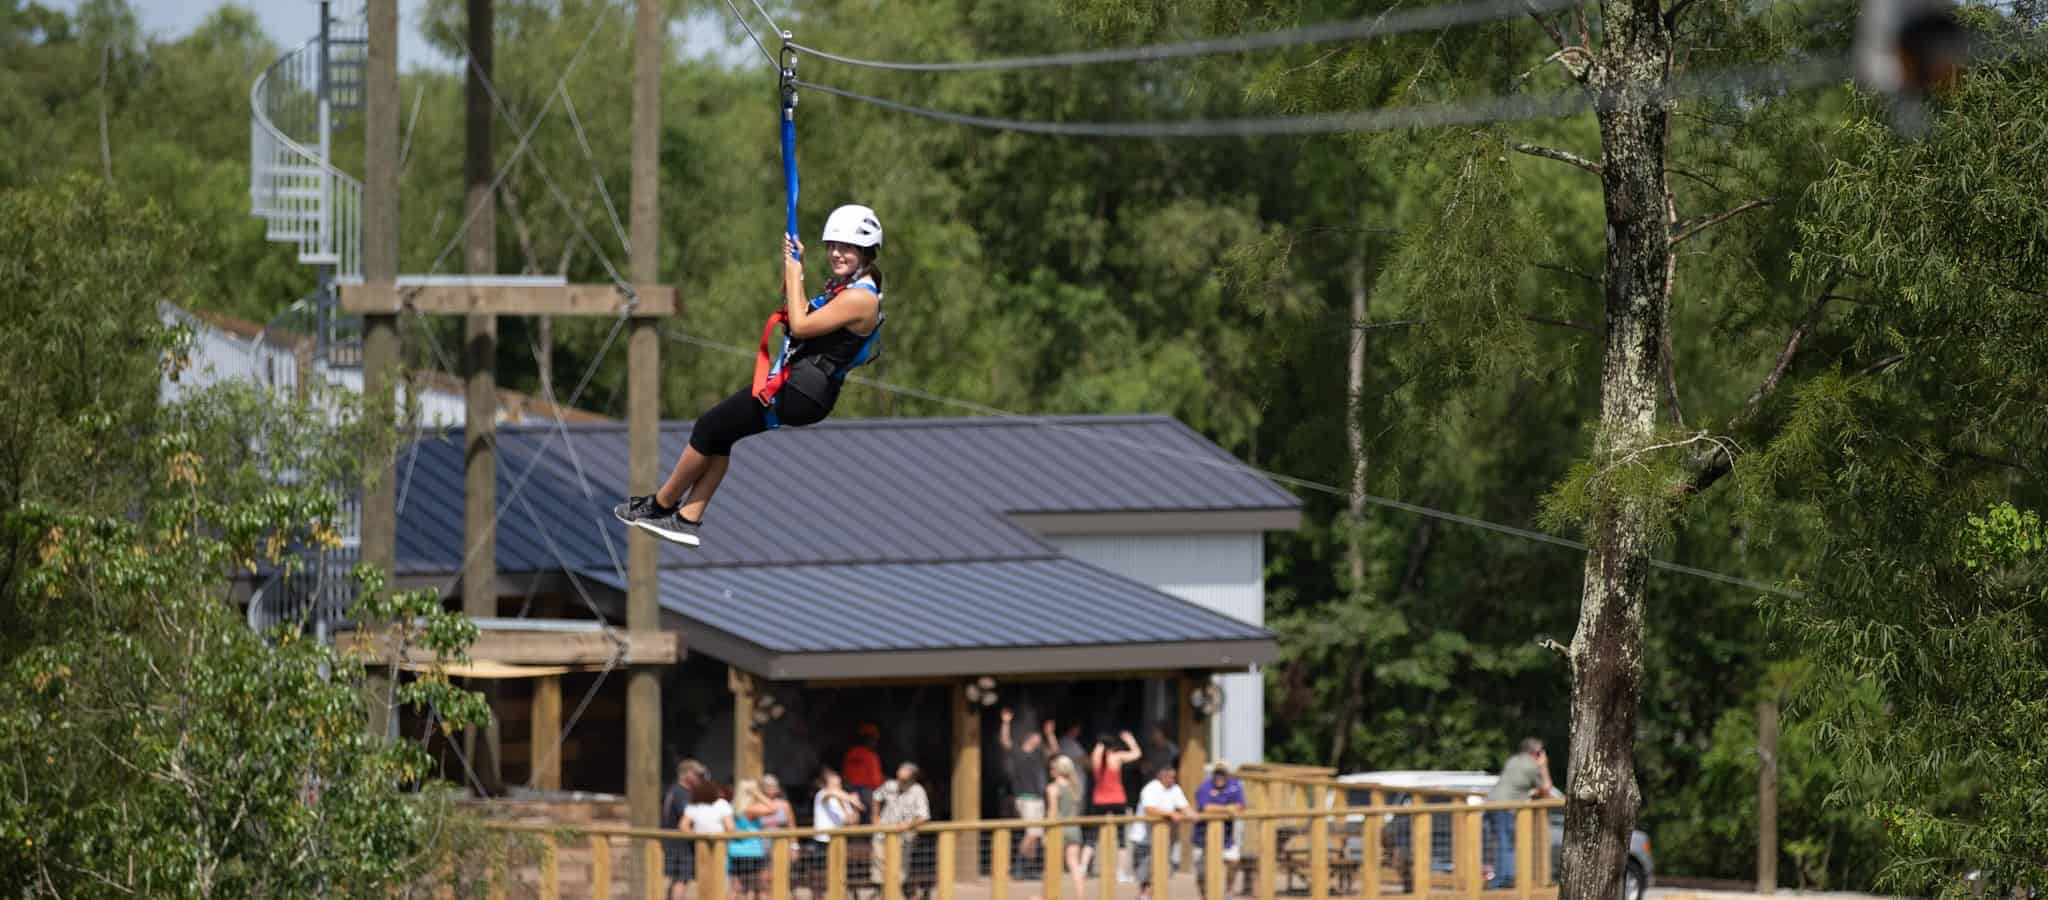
x: 1526, y: 853
x: 892, y: 866
x: 717, y: 883
x: 1194, y: 737
x: 600, y: 867
x: 1371, y: 851
x: 1473, y: 878
x: 1542, y: 843
x: 999, y: 864
x: 643, y: 429
x: 544, y: 759
x: 967, y: 774
x: 1105, y: 862
x: 1419, y: 850
x: 1767, y: 797
x: 1055, y: 864
x: 949, y: 843
x: 550, y: 870
x: 746, y: 739
x: 778, y: 869
x: 1319, y: 856
x: 835, y: 868
x: 1161, y: 837
x: 480, y: 389
x: 1215, y: 876
x: 380, y: 333
x: 1269, y: 849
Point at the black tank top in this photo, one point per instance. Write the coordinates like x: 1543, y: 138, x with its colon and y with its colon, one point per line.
x: 813, y: 361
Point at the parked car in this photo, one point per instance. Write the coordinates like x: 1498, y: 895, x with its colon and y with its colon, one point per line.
x: 1636, y: 878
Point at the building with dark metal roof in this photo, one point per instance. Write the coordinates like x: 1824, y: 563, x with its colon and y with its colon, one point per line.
x: 1124, y: 552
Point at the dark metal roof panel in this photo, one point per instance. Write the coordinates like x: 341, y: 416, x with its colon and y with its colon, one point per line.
x: 1019, y: 603
x: 843, y: 491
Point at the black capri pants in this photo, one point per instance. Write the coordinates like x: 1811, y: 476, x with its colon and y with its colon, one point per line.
x: 740, y: 416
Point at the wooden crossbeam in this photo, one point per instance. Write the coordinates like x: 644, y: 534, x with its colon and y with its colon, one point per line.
x: 540, y: 648
x: 506, y: 299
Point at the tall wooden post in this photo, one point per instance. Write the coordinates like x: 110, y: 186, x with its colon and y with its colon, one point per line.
x: 1194, y: 742
x: 643, y: 418
x: 747, y: 751
x: 1767, y: 797
x: 380, y: 267
x: 479, y: 362
x: 967, y: 776
x: 545, y: 734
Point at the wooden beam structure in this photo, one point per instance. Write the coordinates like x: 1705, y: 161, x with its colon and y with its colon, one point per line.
x: 537, y: 647
x: 511, y: 299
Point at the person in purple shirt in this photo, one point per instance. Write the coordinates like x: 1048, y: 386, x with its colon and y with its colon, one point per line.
x: 1220, y: 791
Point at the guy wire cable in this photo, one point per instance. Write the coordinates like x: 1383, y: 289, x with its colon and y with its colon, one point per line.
x: 1392, y: 21
x: 742, y: 17
x: 1234, y: 464
x: 1513, y: 107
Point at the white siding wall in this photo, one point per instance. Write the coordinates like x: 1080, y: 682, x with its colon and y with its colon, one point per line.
x: 1223, y: 572
x: 218, y: 356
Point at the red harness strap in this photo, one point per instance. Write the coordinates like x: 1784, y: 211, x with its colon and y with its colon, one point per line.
x: 766, y: 384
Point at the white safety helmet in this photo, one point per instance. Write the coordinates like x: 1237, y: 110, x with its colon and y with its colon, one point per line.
x: 854, y: 224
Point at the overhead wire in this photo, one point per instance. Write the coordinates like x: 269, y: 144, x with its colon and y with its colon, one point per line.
x: 742, y: 18
x: 525, y: 138
x: 1505, y: 108
x: 1232, y: 464
x: 1390, y: 22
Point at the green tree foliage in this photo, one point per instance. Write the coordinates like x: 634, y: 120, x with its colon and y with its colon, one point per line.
x: 1919, y: 443
x: 152, y: 743
x: 1216, y: 281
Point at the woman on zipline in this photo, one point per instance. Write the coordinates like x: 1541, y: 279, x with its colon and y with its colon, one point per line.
x: 826, y: 336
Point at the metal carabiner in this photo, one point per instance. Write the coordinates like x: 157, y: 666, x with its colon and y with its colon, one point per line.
x: 788, y: 65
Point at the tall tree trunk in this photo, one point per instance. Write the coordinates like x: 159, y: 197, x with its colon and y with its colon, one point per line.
x: 1354, y: 440
x: 106, y: 141
x: 1354, y: 414
x: 1607, y: 650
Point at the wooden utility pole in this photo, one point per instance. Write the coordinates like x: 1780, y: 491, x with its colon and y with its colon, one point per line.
x: 380, y: 270
x: 479, y: 363
x: 643, y: 417
x: 1767, y: 797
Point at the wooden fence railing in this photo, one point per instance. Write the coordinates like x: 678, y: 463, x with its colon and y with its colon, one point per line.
x: 1427, y: 850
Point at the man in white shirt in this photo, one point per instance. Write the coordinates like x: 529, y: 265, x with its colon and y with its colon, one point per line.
x: 1161, y: 798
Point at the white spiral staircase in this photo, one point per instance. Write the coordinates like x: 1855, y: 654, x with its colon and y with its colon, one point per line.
x: 305, y: 200
x: 293, y: 183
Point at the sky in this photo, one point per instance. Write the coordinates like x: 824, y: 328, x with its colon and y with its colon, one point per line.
x: 292, y: 21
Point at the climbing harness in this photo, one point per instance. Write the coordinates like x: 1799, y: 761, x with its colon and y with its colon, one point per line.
x: 772, y: 372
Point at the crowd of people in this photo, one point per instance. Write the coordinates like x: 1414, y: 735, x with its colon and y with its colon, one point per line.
x: 1048, y: 773
x: 698, y: 804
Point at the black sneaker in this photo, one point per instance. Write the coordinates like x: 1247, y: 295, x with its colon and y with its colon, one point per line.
x: 665, y: 522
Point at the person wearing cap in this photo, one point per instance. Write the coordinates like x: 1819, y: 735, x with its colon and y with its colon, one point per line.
x: 1218, y: 791
x: 825, y: 336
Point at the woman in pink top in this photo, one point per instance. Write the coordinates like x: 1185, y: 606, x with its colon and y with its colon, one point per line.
x: 1106, y: 794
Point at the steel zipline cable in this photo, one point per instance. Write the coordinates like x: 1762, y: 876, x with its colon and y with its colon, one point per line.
x: 1393, y: 21
x: 1504, y: 108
